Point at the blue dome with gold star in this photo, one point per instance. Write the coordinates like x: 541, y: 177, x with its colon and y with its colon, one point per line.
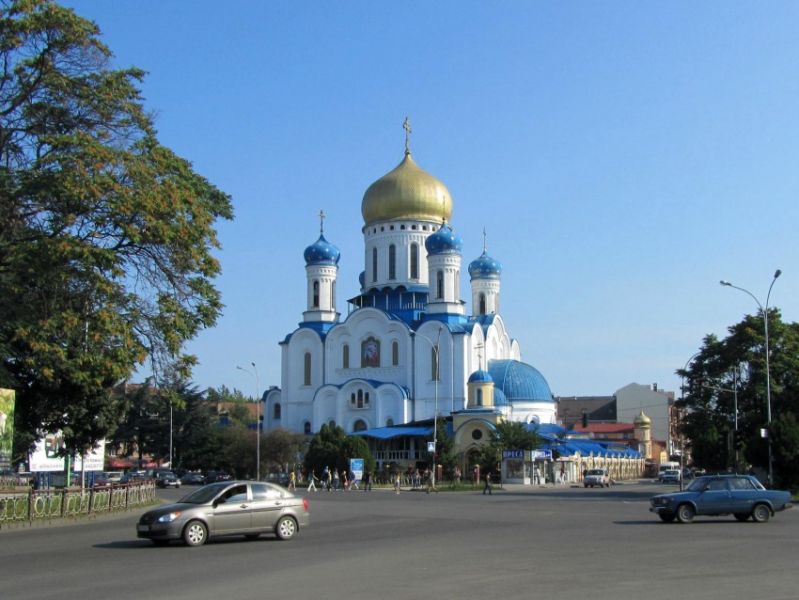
x: 321, y: 252
x: 444, y: 241
x: 485, y: 267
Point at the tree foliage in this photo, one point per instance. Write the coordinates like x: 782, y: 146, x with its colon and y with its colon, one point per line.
x: 737, y: 363
x: 331, y: 447
x: 106, y: 236
x: 508, y: 435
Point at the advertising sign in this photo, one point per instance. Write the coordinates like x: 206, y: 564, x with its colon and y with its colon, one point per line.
x: 6, y: 427
x: 45, y: 456
x: 541, y: 454
x: 513, y: 454
x: 356, y: 467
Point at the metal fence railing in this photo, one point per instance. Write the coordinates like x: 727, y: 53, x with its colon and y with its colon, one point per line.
x: 48, y: 505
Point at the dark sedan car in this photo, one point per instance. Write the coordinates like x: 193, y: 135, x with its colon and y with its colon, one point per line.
x: 193, y: 479
x: 742, y: 496
x: 246, y: 508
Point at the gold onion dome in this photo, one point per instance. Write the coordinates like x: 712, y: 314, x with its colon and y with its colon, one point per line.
x: 642, y: 420
x: 407, y: 192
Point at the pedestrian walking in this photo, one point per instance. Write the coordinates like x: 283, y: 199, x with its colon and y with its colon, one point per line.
x: 311, y: 478
x: 367, y: 481
x: 397, y: 482
x: 292, y: 481
x: 353, y: 482
x: 487, y: 487
x: 335, y: 480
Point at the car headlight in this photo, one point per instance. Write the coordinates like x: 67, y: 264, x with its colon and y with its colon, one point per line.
x: 168, y: 517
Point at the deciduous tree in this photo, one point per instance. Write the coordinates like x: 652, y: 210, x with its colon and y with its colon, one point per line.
x: 106, y: 236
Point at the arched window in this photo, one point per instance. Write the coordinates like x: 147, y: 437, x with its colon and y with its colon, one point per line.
x: 366, y: 399
x: 307, y: 428
x: 360, y: 399
x: 479, y: 397
x: 360, y: 425
x: 307, y: 378
x: 352, y: 399
x: 345, y: 356
x: 392, y: 262
x: 389, y: 422
x: 434, y: 374
x: 439, y: 284
x: 482, y: 309
x: 374, y: 264
x: 276, y: 411
x: 414, y: 261
x: 395, y: 353
x: 316, y: 294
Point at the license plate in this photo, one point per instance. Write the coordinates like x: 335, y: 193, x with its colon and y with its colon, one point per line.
x: 142, y: 528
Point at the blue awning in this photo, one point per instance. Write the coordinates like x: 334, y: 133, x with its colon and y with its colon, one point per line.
x: 387, y: 433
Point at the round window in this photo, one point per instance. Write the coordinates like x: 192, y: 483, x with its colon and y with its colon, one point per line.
x: 477, y: 434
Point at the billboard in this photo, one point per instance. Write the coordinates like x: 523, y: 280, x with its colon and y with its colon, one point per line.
x: 356, y: 467
x: 7, y: 400
x: 45, y: 456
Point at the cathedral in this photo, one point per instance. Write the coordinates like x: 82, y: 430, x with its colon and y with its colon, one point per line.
x: 409, y: 346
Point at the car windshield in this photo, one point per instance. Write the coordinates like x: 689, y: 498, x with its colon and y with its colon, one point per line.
x: 596, y: 472
x: 205, y: 494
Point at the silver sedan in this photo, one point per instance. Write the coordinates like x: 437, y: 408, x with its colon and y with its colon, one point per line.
x: 247, y: 508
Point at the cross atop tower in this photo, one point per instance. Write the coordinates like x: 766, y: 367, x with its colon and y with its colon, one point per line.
x: 321, y: 221
x: 406, y: 125
x: 484, y: 241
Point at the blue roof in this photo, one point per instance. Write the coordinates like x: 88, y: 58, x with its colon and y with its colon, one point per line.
x: 519, y: 381
x: 485, y: 267
x: 386, y: 433
x: 444, y: 241
x: 480, y: 376
x: 321, y: 252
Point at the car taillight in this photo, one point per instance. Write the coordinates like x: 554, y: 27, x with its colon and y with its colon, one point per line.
x: 305, y: 504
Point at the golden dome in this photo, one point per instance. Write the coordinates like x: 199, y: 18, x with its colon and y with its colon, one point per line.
x: 642, y: 421
x: 407, y: 192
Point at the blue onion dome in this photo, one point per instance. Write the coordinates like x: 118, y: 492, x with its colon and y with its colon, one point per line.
x: 444, y: 241
x: 499, y: 397
x: 485, y: 267
x: 322, y: 252
x: 519, y: 382
x: 480, y: 376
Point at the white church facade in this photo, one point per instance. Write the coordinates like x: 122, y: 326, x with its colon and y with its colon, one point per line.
x: 408, y: 345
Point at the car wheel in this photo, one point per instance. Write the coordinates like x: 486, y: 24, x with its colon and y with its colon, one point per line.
x: 761, y: 513
x: 685, y: 513
x: 586, y: 485
x: 195, y: 533
x: 667, y: 517
x: 742, y: 517
x: 286, y: 528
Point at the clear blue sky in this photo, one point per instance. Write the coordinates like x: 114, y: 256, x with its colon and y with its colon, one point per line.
x: 622, y: 156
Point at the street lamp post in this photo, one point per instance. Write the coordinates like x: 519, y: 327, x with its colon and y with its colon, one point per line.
x: 777, y: 273
x: 257, y: 418
x: 435, y: 407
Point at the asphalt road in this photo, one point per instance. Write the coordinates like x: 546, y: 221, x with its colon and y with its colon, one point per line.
x: 518, y: 543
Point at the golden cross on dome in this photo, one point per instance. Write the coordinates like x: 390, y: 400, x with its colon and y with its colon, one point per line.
x: 406, y: 125
x: 321, y: 221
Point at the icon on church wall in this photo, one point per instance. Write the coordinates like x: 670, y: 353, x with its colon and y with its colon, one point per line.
x: 370, y: 353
